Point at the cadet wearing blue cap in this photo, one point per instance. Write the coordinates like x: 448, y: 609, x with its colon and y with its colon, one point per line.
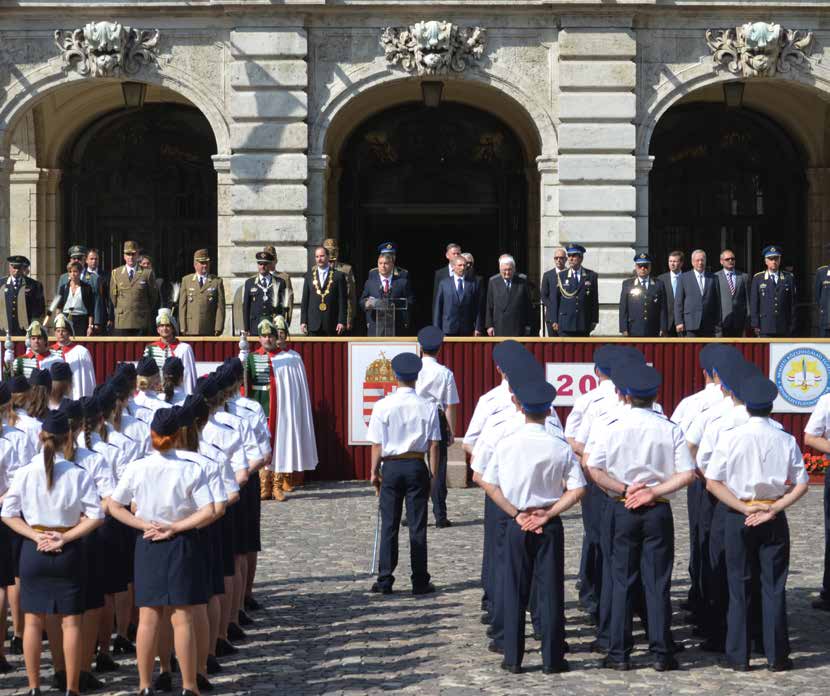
x: 402, y: 428
x: 574, y: 301
x: 390, y: 283
x: 757, y: 475
x: 436, y: 383
x: 525, y: 479
x: 642, y: 459
x: 772, y: 298
x: 643, y: 310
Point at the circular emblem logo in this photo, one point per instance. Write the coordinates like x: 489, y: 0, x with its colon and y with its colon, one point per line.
x: 801, y: 377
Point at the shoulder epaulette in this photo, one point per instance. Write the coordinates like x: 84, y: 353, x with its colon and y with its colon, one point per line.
x: 759, y: 273
x: 819, y: 268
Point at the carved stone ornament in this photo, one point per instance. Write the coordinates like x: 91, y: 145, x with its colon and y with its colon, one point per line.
x: 433, y: 48
x: 758, y: 49
x: 107, y: 49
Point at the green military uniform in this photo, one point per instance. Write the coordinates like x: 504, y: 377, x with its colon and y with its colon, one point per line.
x: 201, y: 302
x: 346, y: 269
x: 134, y: 299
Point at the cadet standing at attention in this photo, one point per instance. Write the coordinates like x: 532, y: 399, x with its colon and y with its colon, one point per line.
x: 772, y: 298
x: 643, y: 309
x: 134, y: 295
x: 201, y: 300
x: 403, y: 427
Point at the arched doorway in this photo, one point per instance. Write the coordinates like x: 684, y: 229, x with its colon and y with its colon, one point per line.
x: 146, y: 175
x: 424, y: 177
x: 726, y: 177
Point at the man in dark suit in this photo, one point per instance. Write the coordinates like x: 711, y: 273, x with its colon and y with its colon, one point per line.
x: 574, y: 299
x: 549, y: 286
x: 697, y: 309
x: 263, y: 296
x: 22, y: 298
x: 508, y: 302
x: 387, y: 283
x: 457, y: 306
x: 734, y: 296
x: 453, y: 251
x: 670, y: 281
x: 822, y: 295
x: 772, y: 298
x: 325, y: 302
x: 643, y: 302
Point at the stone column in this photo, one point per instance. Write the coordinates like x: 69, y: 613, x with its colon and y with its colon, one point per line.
x: 597, y: 196
x: 25, y: 214
x: 644, y: 166
x: 548, y: 167
x: 318, y: 178
x: 269, y: 139
x: 224, y: 246
x: 48, y: 254
x: 818, y: 225
x: 6, y: 167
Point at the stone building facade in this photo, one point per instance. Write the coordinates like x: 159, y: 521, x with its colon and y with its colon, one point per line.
x: 250, y: 131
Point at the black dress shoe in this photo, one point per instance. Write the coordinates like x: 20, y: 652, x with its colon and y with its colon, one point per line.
x: 557, y: 669
x: 783, y: 666
x: 33, y: 692
x: 123, y: 646
x: 5, y: 667
x: 513, y: 669
x: 224, y: 648
x: 251, y: 604
x: 88, y: 682
x: 490, y: 632
x: 429, y: 588
x: 71, y: 693
x: 203, y: 683
x: 665, y: 664
x: 443, y: 524
x: 377, y: 588
x: 16, y: 645
x: 738, y: 666
x: 213, y: 666
x: 59, y: 681
x: 174, y: 665
x: 597, y: 647
x: 147, y: 692
x: 485, y: 619
x: 485, y: 605
x: 235, y: 633
x: 821, y: 604
x: 163, y: 682
x: 616, y: 665
x: 105, y: 663
x: 591, y: 619
x: 494, y: 647
x: 244, y: 619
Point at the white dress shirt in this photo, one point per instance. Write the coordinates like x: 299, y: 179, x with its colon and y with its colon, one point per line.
x: 72, y: 494
x: 685, y: 412
x: 603, y: 399
x: 436, y: 383
x: 213, y: 452
x: 30, y: 426
x: 531, y: 465
x: 403, y: 422
x: 227, y: 440
x: 599, y: 425
x: 819, y: 422
x: 74, y: 302
x: 493, y: 401
x: 211, y: 468
x: 8, y: 462
x: 23, y: 448
x: 708, y: 411
x: 250, y: 446
x: 242, y: 407
x: 113, y: 456
x: 642, y: 446
x: 701, y: 281
x: 130, y: 449
x: 150, y: 401
x: 138, y: 431
x: 581, y: 405
x: 499, y: 426
x: 98, y: 468
x: 757, y: 461
x: 165, y: 489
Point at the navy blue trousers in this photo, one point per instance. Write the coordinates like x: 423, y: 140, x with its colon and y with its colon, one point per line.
x: 712, y: 586
x: 606, y: 591
x: 643, y: 551
x: 694, y: 492
x: 534, y: 558
x: 759, y: 554
x: 403, y: 479
x: 439, y: 486
x: 825, y: 585
x: 501, y: 523
x: 490, y: 510
x: 590, y: 566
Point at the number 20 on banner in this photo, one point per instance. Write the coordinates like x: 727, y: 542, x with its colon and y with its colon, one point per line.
x: 571, y: 380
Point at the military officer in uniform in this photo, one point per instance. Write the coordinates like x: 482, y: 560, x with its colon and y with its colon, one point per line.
x: 22, y: 298
x: 822, y: 292
x: 264, y: 294
x: 643, y: 310
x: 391, y: 249
x: 772, y: 298
x: 573, y: 300
x: 201, y: 300
x: 288, y: 302
x: 351, y: 285
x: 134, y: 295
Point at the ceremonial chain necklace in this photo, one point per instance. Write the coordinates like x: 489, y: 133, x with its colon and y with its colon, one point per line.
x: 567, y: 293
x: 315, y: 279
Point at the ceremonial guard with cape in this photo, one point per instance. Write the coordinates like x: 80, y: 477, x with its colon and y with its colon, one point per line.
x: 76, y: 355
x: 168, y: 346
x: 38, y: 356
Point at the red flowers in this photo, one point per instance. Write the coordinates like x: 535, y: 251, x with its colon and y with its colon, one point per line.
x: 815, y: 463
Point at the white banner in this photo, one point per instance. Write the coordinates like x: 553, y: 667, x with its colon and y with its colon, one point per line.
x: 800, y: 371
x: 370, y: 379
x: 571, y: 380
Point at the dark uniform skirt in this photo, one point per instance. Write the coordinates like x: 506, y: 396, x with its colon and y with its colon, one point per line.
x: 252, y: 534
x: 113, y: 545
x: 214, y: 565
x: 96, y: 563
x: 16, y: 544
x: 170, y: 573
x: 227, y: 523
x: 128, y: 536
x: 7, y: 562
x: 53, y: 583
x: 240, y: 522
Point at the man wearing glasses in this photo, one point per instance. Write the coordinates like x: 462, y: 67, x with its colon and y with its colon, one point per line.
x: 560, y: 262
x: 264, y: 294
x: 734, y: 295
x: 134, y: 295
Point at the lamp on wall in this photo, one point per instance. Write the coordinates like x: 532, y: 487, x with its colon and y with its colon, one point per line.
x: 733, y: 94
x: 431, y: 91
x: 134, y: 93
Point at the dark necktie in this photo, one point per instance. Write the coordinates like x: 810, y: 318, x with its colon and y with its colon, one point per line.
x: 731, y: 281
x: 386, y: 286
x: 459, y: 288
x: 201, y: 281
x: 507, y: 283
x: 130, y: 272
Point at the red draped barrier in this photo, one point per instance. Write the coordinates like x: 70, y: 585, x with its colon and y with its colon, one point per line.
x: 327, y: 360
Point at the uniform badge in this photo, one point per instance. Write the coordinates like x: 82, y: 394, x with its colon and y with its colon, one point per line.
x: 636, y: 291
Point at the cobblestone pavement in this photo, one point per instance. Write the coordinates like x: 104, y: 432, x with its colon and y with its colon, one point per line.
x: 322, y: 632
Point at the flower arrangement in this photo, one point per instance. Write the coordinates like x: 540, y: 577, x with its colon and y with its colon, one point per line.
x: 816, y: 464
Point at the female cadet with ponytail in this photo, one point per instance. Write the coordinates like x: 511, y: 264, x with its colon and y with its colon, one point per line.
x: 21, y: 396
x: 146, y: 399
x: 53, y: 504
x: 172, y: 500
x: 61, y: 375
x: 172, y: 376
x: 121, y: 419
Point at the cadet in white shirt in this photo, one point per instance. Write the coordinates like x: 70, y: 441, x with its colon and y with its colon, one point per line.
x: 172, y: 378
x: 760, y: 474
x: 642, y: 459
x: 53, y: 504
x: 172, y: 501
x: 817, y: 436
x: 437, y: 384
x: 402, y: 429
x: 146, y: 399
x: 525, y: 479
x: 8, y: 458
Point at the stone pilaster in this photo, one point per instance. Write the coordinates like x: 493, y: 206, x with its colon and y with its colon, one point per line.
x: 48, y: 256
x: 269, y: 139
x: 548, y: 166
x: 644, y: 166
x: 6, y: 167
x: 224, y: 244
x: 319, y: 170
x: 597, y: 195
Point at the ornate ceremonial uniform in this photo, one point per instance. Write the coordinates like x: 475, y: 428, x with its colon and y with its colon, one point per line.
x: 574, y: 303
x: 264, y: 297
x: 22, y: 300
x: 643, y: 309
x: 159, y: 351
x: 201, y: 305
x: 351, y: 289
x: 772, y: 303
x: 822, y: 295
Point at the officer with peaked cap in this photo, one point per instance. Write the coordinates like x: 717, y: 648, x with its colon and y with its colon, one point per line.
x: 201, y: 299
x: 574, y: 300
x: 264, y: 294
x: 134, y: 295
x: 22, y: 298
x: 402, y: 429
x: 643, y: 309
x: 772, y: 298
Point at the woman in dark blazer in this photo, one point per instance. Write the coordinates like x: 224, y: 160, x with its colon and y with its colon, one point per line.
x: 76, y: 300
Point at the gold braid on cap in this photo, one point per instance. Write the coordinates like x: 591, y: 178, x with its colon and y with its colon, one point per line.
x: 61, y: 322
x: 265, y: 328
x: 36, y: 328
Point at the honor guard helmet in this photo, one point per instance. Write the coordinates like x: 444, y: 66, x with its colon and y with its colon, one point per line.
x: 62, y: 322
x: 165, y: 316
x: 36, y: 329
x: 265, y: 328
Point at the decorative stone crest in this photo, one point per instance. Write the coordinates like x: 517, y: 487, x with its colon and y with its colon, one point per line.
x: 107, y: 49
x: 758, y: 49
x: 433, y: 48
